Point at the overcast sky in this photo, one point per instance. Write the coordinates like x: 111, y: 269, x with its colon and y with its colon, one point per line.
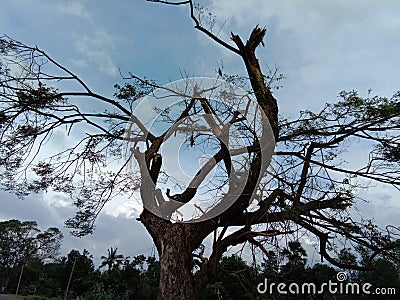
x: 322, y: 47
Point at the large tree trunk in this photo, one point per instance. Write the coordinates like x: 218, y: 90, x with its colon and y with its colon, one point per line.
x: 174, y: 243
x: 176, y: 280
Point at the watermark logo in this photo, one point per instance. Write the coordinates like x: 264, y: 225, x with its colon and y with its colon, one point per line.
x: 340, y: 287
x: 341, y: 276
x: 209, y: 131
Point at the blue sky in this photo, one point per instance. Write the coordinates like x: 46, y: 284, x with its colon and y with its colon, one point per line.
x: 321, y: 47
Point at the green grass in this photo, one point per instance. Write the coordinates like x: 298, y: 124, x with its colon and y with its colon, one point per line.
x: 15, y: 296
x: 38, y: 298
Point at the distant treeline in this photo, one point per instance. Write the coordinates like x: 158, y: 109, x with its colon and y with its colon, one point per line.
x: 30, y: 257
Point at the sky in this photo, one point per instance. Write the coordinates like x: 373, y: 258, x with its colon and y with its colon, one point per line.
x: 321, y: 47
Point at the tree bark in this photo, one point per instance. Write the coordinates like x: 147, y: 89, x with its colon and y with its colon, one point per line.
x: 176, y: 281
x: 263, y: 94
x: 174, y: 246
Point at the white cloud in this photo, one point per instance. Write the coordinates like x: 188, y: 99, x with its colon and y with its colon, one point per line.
x: 97, y: 48
x: 90, y: 37
x: 75, y: 8
x: 123, y: 207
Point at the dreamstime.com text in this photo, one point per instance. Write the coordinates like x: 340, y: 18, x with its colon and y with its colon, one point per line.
x: 331, y: 287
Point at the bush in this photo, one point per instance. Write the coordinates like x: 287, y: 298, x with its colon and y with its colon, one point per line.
x: 99, y: 294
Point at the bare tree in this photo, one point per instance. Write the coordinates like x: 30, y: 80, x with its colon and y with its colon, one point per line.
x: 306, y: 190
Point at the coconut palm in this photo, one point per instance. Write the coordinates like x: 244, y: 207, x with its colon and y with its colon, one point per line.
x: 113, y: 260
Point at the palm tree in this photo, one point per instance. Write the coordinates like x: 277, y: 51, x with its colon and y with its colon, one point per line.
x: 112, y: 260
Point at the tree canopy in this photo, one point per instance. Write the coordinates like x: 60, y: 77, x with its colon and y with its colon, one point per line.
x: 22, y: 243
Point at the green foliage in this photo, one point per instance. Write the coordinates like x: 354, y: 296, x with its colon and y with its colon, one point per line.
x: 7, y: 44
x: 113, y: 260
x: 390, y: 152
x: 132, y: 279
x: 22, y: 241
x: 384, y: 274
x: 367, y: 108
x: 234, y: 279
x: 126, y: 92
x: 38, y: 98
x: 99, y: 294
x: 23, y: 244
x: 295, y: 255
x: 131, y: 92
x: 40, y: 298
